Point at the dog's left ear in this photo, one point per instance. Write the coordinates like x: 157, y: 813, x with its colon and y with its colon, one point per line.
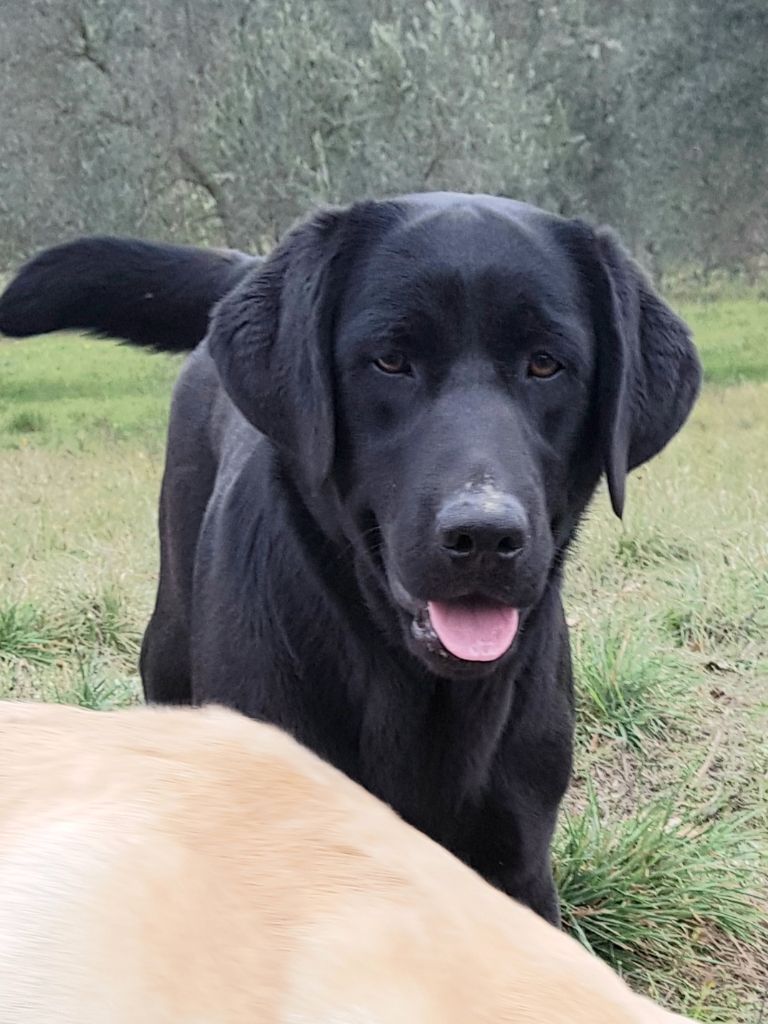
x: 649, y: 374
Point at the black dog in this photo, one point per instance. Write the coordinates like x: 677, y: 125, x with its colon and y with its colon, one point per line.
x: 376, y: 462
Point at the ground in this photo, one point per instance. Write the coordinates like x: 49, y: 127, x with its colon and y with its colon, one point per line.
x: 663, y: 848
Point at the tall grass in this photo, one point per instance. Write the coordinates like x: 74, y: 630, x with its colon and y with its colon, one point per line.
x: 666, y: 894
x: 25, y: 635
x: 629, y: 687
x: 643, y: 892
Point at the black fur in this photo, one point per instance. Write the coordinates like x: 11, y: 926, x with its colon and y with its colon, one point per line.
x: 303, y: 486
x: 147, y: 293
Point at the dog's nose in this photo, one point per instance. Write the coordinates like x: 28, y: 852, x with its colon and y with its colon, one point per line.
x: 489, y: 523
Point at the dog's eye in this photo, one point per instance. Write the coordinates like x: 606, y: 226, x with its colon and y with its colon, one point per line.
x: 543, y: 365
x: 393, y: 362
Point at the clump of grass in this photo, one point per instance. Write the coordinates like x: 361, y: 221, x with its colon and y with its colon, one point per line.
x: 26, y: 635
x: 26, y: 422
x: 648, y: 894
x: 697, y: 629
x: 704, y: 622
x: 92, y: 687
x: 634, y: 552
x: 628, y: 689
x: 101, y: 620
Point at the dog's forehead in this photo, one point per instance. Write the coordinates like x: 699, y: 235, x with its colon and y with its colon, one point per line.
x: 502, y: 252
x: 478, y: 201
x: 480, y: 233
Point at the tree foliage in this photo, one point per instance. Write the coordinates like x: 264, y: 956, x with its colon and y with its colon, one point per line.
x: 222, y: 122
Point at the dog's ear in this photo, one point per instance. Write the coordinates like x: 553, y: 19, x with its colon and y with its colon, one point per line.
x: 271, y: 341
x: 649, y: 374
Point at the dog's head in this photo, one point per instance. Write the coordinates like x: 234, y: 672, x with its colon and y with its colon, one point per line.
x: 453, y: 374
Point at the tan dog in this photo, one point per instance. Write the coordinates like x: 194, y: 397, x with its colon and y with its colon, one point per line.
x: 195, y: 867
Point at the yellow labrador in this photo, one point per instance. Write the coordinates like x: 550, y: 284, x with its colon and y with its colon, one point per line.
x: 180, y: 866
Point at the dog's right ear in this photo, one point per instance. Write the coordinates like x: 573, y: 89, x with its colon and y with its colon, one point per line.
x: 271, y: 341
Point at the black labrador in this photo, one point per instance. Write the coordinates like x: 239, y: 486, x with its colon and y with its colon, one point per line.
x: 377, y: 460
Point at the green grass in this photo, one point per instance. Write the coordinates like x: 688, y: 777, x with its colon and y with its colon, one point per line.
x: 95, y: 686
x: 630, y: 687
x: 25, y: 635
x: 731, y: 336
x: 725, y: 616
x: 658, y: 888
x: 79, y: 393
x: 94, y: 622
x: 662, y: 853
x: 102, y: 621
x: 27, y: 422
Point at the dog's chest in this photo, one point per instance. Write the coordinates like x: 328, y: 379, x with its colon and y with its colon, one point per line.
x: 431, y: 755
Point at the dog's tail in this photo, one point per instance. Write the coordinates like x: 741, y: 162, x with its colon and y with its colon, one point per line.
x: 146, y: 293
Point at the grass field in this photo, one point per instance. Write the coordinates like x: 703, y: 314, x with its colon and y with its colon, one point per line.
x: 663, y: 850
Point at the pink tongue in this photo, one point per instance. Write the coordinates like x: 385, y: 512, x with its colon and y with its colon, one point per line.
x: 474, y: 632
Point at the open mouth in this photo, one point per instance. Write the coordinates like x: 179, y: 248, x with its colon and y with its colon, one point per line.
x: 469, y: 628
x: 473, y: 628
